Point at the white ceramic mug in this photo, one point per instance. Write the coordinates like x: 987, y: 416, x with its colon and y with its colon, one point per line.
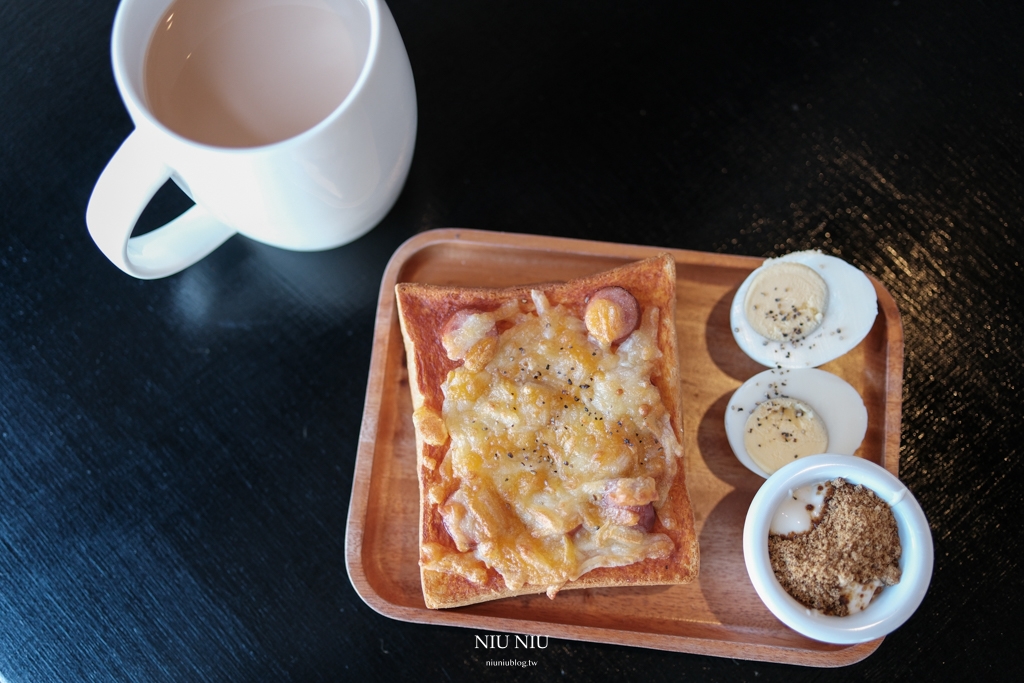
x: 317, y: 189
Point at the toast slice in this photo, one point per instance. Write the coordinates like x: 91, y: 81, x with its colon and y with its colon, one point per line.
x: 548, y: 425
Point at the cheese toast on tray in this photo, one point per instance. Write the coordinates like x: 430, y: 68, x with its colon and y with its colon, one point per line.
x: 548, y: 424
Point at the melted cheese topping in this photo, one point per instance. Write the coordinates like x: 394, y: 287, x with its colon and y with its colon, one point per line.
x: 557, y: 444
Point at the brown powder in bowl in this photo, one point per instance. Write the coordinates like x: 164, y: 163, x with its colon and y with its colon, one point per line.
x: 845, y: 560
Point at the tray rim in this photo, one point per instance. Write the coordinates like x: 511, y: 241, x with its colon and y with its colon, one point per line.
x: 362, y: 475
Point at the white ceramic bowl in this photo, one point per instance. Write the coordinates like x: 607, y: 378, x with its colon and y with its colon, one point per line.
x: 895, y: 604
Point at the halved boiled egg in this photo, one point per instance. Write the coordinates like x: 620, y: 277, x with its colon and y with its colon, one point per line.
x: 780, y: 415
x: 802, y: 310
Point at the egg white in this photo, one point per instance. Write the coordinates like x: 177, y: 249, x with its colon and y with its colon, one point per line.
x: 837, y: 403
x: 850, y: 311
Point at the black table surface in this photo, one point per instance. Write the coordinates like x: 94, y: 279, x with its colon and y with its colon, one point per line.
x: 177, y: 455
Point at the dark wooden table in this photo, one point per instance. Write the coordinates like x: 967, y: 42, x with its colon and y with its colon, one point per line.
x: 176, y: 456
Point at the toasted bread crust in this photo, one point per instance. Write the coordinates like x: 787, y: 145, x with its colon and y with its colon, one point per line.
x: 423, y: 312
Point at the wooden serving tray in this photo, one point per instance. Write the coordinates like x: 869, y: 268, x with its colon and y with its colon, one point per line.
x: 719, y: 614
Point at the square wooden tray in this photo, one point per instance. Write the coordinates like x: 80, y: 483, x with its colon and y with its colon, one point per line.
x: 719, y: 614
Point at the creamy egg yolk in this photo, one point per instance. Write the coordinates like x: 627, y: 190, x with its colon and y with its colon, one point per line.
x: 780, y: 430
x: 786, y: 302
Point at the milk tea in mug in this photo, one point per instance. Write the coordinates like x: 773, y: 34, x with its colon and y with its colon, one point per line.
x: 244, y: 73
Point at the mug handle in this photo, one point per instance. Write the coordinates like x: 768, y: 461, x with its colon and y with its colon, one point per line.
x: 132, y: 176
